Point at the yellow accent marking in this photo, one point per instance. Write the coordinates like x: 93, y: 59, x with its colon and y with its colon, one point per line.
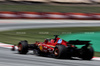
x: 40, y: 47
x: 51, y: 45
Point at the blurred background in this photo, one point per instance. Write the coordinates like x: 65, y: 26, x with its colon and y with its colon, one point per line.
x: 86, y: 6
x: 50, y: 9
x: 54, y: 1
x: 13, y: 15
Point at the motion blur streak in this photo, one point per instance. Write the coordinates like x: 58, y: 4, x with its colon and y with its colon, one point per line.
x: 9, y: 58
x: 23, y: 24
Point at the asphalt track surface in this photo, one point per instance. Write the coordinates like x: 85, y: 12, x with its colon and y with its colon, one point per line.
x: 25, y: 24
x: 9, y: 58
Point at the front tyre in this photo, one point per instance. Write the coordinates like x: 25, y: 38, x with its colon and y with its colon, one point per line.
x: 23, y: 47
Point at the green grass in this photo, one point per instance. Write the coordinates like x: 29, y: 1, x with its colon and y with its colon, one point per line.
x: 97, y: 54
x: 32, y: 35
x: 50, y: 8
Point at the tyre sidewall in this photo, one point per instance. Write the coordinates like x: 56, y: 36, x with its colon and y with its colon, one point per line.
x: 24, y: 48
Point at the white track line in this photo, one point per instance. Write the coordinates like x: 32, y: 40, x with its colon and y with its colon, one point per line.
x: 19, y: 21
x: 96, y: 58
x: 7, y: 45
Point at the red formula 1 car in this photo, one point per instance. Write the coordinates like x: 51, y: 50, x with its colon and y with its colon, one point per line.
x: 58, y: 48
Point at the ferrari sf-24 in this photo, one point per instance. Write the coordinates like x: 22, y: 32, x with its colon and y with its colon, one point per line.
x: 58, y: 48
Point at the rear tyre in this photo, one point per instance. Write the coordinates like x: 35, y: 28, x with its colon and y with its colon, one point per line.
x: 60, y: 52
x: 23, y: 47
x: 87, y: 53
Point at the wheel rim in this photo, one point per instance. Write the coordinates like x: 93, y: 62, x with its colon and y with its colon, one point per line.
x: 56, y: 52
x: 20, y: 47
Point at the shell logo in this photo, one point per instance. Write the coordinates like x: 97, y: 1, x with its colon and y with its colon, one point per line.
x: 40, y: 47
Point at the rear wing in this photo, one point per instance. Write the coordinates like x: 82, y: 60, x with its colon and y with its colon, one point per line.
x: 78, y: 42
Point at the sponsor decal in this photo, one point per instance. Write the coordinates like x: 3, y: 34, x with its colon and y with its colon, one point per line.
x: 40, y: 47
x: 50, y: 45
x: 59, y: 41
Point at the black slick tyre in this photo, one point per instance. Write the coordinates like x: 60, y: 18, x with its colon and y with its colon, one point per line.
x: 60, y: 52
x: 23, y: 47
x: 87, y: 53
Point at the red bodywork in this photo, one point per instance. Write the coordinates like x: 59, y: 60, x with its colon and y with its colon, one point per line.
x: 48, y: 46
